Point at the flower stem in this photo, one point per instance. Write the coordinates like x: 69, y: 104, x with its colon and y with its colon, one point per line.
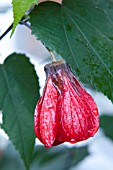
x: 52, y: 55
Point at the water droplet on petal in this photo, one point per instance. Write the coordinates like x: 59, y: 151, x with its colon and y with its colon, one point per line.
x: 73, y: 140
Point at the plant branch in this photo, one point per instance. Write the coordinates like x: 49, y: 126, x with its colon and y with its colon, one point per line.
x: 25, y: 23
x: 5, y: 33
x: 22, y: 22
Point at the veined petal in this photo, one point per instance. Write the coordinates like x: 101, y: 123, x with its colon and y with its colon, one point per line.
x: 61, y: 134
x: 92, y: 110
x: 37, y: 119
x: 75, y: 115
x: 48, y: 117
x: 66, y: 112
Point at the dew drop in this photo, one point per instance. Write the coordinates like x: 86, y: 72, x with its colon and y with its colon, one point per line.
x: 73, y: 140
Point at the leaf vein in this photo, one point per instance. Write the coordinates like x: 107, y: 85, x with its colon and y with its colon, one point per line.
x: 10, y: 94
x: 89, y: 44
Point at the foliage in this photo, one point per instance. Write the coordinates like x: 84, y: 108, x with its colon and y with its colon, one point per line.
x: 19, y: 9
x: 61, y: 158
x: 19, y: 91
x: 73, y: 26
x: 81, y: 31
x: 106, y: 122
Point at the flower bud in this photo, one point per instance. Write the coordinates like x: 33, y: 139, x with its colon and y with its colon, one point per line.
x: 65, y: 112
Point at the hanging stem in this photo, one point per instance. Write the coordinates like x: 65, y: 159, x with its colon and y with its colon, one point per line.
x: 52, y: 55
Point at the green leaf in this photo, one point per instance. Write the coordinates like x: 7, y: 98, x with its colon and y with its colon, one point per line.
x: 81, y: 31
x: 19, y: 9
x: 57, y: 158
x: 10, y: 159
x: 106, y: 122
x: 19, y: 92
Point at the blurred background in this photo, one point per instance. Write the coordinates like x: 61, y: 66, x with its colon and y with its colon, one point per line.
x: 93, y: 154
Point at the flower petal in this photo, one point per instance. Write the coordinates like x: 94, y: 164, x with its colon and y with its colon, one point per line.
x: 61, y: 134
x: 37, y: 119
x: 76, y: 115
x: 48, y: 117
x: 92, y: 109
x: 92, y: 115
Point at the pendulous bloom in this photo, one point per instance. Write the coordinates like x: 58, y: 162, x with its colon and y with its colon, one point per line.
x: 65, y: 112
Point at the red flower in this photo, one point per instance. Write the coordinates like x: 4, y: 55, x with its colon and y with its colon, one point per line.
x: 65, y: 112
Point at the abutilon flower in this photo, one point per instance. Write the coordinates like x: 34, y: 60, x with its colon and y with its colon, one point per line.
x: 65, y: 112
